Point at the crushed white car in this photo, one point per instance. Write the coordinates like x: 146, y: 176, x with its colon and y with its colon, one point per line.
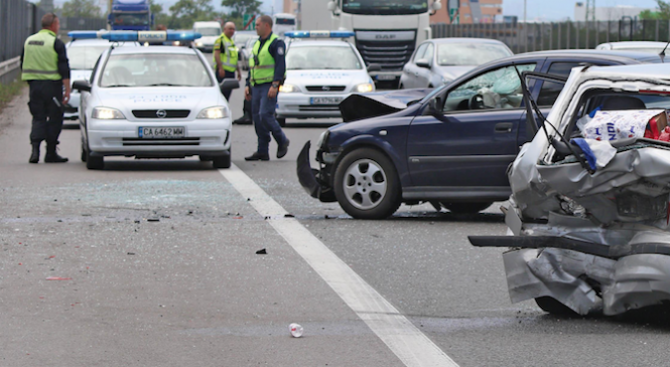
x: 593, y: 238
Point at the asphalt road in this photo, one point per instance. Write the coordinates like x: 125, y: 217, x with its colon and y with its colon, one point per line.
x: 164, y: 272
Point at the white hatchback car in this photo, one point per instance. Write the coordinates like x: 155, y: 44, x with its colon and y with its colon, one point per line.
x: 83, y: 54
x: 320, y: 74
x: 154, y: 102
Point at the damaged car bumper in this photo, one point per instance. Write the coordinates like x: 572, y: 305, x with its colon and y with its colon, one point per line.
x: 315, y: 181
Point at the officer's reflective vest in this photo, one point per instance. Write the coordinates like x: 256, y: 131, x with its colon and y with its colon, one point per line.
x: 40, y: 60
x: 229, y: 58
x: 262, y: 64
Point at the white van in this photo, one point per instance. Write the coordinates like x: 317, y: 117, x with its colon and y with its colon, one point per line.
x: 283, y: 22
x: 210, y: 31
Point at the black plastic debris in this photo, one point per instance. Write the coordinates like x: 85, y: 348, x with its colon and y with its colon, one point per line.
x: 261, y: 252
x: 131, y: 253
x: 153, y: 220
x: 289, y: 216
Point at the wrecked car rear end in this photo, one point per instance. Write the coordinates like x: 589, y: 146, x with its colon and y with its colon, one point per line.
x: 588, y: 215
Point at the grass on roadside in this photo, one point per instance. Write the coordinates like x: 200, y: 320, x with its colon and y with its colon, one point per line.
x: 9, y: 91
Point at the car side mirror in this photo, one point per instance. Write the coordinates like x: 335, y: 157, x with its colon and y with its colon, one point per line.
x: 423, y: 63
x: 81, y: 85
x: 436, y: 5
x: 374, y: 67
x: 435, y: 109
x: 229, y: 84
x: 331, y: 6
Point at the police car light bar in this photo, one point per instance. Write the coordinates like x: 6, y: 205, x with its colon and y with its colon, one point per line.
x: 139, y: 36
x: 320, y: 34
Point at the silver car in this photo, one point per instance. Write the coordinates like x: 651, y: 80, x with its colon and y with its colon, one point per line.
x: 438, y: 61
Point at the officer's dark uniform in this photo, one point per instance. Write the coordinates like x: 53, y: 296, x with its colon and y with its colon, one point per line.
x: 44, y: 65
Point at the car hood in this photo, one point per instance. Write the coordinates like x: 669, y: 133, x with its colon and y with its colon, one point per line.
x: 363, y: 106
x: 128, y: 99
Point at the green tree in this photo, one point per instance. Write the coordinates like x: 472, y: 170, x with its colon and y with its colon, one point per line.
x: 185, y: 12
x: 81, y: 8
x: 159, y: 16
x: 241, y: 7
x: 663, y: 12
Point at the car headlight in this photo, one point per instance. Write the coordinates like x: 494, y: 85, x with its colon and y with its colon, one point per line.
x: 365, y: 87
x: 217, y: 112
x: 287, y: 88
x: 106, y: 113
x: 198, y: 44
x: 323, y: 140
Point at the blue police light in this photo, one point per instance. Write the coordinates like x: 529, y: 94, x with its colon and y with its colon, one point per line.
x: 319, y: 34
x: 151, y: 36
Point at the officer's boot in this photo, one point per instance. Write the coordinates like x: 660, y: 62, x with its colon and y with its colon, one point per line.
x: 35, y: 156
x: 246, y: 119
x: 52, y: 156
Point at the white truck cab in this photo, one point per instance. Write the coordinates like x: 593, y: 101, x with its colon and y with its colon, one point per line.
x: 210, y: 31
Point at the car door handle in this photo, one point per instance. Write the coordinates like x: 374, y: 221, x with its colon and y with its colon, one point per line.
x: 504, y: 127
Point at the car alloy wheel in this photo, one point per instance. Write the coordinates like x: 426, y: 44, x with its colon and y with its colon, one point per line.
x: 365, y: 184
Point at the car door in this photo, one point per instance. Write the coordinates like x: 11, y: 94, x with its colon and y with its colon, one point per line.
x: 477, y: 140
x: 410, y: 70
x: 423, y: 73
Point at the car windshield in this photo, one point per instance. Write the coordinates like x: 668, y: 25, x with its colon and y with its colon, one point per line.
x: 322, y: 58
x: 84, y: 57
x: 466, y: 54
x: 149, y: 70
x: 131, y: 19
x: 285, y: 21
x: 384, y: 7
x: 209, y: 31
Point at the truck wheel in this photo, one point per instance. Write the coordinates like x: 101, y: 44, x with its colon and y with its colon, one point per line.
x: 466, y: 208
x: 552, y: 306
x: 366, y: 185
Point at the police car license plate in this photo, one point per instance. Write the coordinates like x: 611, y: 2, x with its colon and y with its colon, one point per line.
x: 325, y: 100
x: 161, y: 132
x: 385, y: 77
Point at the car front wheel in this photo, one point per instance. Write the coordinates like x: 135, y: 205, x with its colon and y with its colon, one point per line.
x: 366, y: 185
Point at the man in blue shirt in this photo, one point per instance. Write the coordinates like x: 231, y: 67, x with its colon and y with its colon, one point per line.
x: 267, y: 71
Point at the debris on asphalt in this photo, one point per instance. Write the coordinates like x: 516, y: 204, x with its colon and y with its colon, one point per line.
x: 238, y: 217
x: 261, y: 252
x: 153, y: 220
x: 289, y: 216
x: 58, y: 278
x: 137, y: 221
x: 131, y: 253
x: 296, y: 330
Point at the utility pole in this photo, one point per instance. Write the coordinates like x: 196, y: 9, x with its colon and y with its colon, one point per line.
x: 590, y: 10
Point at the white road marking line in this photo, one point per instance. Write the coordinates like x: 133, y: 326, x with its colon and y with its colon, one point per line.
x: 407, y: 342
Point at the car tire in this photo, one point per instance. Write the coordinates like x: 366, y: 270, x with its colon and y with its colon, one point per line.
x: 281, y: 121
x: 466, y: 208
x: 552, y: 306
x: 94, y: 162
x: 221, y: 161
x: 383, y: 194
x: 84, y: 156
x: 205, y: 158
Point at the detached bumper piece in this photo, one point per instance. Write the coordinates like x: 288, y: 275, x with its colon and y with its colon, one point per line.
x: 310, y: 180
x: 586, y: 277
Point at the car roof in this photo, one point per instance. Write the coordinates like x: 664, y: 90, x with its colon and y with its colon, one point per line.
x: 89, y: 42
x: 464, y: 40
x: 630, y: 44
x: 646, y: 71
x: 623, y: 57
x: 154, y: 50
x: 326, y: 42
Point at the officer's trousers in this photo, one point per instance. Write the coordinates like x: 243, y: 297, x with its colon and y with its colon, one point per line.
x: 46, y: 101
x: 265, y: 123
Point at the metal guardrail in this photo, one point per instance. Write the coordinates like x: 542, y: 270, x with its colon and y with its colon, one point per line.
x: 9, y: 65
x: 526, y: 37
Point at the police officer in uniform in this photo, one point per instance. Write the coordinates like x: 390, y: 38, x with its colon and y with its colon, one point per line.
x: 45, y: 66
x: 267, y: 70
x: 226, y: 56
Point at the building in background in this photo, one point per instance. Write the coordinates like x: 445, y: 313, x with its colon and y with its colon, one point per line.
x: 469, y: 12
x: 608, y: 13
x: 293, y: 7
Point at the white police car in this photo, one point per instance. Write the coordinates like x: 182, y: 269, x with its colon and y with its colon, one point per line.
x: 322, y: 70
x: 83, y: 53
x: 154, y: 102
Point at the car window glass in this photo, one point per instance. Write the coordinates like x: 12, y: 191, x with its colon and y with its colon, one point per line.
x: 152, y: 69
x: 551, y: 90
x: 470, y: 54
x: 495, y: 89
x: 84, y: 57
x: 428, y: 55
x: 420, y: 52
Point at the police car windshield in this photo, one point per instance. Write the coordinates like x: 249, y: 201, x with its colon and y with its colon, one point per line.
x: 149, y: 69
x: 466, y: 54
x: 84, y: 57
x: 322, y: 58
